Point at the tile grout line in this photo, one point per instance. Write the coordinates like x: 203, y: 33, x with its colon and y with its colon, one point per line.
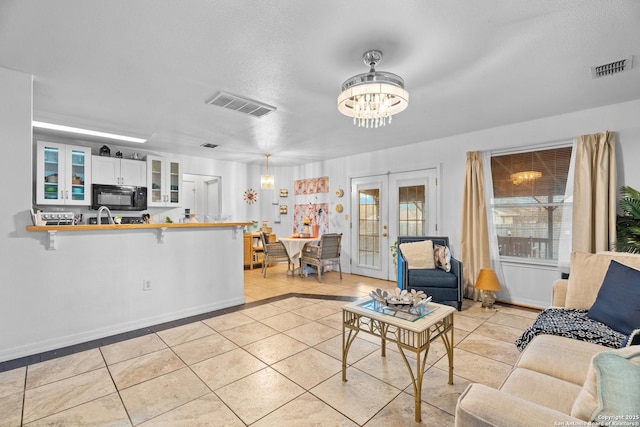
x: 317, y: 300
x: 115, y: 387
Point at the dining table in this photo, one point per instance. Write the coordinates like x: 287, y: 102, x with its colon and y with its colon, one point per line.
x: 294, y: 246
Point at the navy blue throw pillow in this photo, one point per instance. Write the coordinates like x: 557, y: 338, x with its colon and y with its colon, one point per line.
x: 618, y: 301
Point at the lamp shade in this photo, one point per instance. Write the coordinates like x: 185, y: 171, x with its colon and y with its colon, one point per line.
x: 488, y: 281
x: 266, y: 182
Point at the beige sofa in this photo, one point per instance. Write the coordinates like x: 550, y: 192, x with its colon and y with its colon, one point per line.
x: 587, y: 273
x: 555, y: 382
x: 563, y: 381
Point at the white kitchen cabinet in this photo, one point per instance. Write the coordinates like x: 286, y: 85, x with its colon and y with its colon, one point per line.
x: 164, y: 181
x: 116, y: 171
x: 63, y: 174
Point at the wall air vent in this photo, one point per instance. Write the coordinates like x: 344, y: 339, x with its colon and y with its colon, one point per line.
x: 238, y: 103
x: 208, y: 145
x: 612, y: 68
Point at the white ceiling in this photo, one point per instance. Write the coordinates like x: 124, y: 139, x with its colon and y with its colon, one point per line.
x: 145, y: 67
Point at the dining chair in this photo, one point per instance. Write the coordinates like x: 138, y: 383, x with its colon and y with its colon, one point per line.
x: 322, y: 255
x: 274, y: 253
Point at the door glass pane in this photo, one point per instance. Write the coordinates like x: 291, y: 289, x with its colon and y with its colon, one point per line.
x: 156, y: 181
x: 78, y: 162
x: 411, y: 210
x: 369, y: 227
x: 51, y: 172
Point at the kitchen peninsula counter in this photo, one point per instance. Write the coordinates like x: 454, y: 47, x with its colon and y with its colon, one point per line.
x: 52, y: 230
x: 83, y: 227
x: 123, y: 278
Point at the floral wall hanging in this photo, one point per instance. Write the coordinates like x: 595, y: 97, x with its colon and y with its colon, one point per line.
x: 311, y: 186
x: 317, y: 213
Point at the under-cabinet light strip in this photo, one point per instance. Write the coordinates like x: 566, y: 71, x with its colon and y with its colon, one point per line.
x: 80, y: 131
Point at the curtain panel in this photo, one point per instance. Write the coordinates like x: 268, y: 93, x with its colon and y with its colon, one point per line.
x: 594, y: 194
x: 474, y: 245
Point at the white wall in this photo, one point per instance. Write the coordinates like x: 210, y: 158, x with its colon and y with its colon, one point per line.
x: 40, y: 288
x: 91, y: 286
x: 525, y: 284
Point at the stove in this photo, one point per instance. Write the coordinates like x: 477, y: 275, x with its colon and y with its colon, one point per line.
x: 125, y: 220
x: 57, y: 218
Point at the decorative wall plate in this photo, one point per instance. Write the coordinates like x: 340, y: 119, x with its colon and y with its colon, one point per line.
x: 339, y: 192
x: 250, y: 196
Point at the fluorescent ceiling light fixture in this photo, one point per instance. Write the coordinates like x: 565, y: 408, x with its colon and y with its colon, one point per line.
x: 80, y: 131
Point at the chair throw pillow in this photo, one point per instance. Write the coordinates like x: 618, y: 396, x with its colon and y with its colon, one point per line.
x: 618, y: 302
x: 611, y: 388
x: 442, y: 257
x: 418, y: 254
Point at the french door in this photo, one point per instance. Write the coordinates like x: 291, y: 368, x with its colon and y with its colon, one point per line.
x: 387, y: 206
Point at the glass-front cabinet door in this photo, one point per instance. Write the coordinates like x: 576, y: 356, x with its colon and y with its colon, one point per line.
x: 175, y: 183
x: 63, y: 174
x: 164, y: 182
x: 155, y: 181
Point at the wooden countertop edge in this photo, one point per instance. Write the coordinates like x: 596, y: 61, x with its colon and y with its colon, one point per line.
x: 134, y: 226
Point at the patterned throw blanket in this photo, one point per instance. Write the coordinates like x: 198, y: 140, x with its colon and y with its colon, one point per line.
x: 571, y: 323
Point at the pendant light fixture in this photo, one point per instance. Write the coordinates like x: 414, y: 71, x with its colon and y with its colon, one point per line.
x: 373, y: 98
x: 267, y: 181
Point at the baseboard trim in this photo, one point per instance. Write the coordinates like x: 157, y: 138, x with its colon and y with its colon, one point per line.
x: 40, y: 352
x: 58, y: 345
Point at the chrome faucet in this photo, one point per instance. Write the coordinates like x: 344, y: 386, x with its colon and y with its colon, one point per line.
x: 104, y: 208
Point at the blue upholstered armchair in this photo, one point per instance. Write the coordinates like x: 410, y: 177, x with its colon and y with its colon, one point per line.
x: 442, y: 285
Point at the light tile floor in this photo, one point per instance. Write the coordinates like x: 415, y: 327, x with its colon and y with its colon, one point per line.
x: 271, y: 364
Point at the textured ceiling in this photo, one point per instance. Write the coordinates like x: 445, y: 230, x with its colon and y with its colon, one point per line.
x: 146, y: 68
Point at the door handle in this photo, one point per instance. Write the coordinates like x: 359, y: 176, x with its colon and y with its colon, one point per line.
x: 384, y: 234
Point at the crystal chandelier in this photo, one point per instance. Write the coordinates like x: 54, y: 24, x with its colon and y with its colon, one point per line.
x: 524, y: 177
x: 373, y: 98
x: 267, y: 181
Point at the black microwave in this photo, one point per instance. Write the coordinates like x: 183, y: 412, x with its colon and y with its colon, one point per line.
x: 119, y: 197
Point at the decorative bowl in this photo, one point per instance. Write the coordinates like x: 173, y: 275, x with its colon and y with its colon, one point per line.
x: 400, y: 299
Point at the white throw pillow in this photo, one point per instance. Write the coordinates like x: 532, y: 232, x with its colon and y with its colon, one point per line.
x: 418, y: 254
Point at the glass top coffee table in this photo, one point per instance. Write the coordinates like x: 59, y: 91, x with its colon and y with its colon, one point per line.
x: 410, y: 333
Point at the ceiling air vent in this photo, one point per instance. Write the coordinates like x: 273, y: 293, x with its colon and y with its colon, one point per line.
x: 238, y: 103
x: 612, y: 68
x: 208, y: 145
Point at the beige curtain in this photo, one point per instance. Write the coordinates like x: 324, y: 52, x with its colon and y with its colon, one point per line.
x: 594, y: 193
x: 474, y: 247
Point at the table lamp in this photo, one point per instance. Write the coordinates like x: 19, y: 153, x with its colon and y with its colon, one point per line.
x: 487, y: 283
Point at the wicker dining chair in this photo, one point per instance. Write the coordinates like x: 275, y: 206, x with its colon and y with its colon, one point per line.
x: 274, y: 253
x: 322, y: 255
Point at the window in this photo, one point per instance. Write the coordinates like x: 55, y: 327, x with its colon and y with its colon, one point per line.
x: 369, y: 227
x: 411, y: 202
x: 528, y: 194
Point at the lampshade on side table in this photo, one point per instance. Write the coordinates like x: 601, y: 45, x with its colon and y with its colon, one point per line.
x: 487, y: 282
